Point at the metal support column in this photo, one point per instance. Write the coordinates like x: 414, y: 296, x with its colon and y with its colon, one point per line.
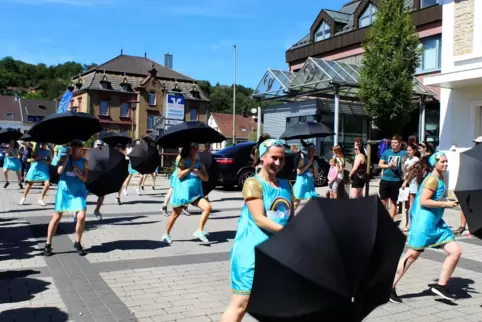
x: 336, y: 137
x: 421, y: 122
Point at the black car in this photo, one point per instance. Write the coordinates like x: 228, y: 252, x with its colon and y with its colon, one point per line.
x: 235, y: 166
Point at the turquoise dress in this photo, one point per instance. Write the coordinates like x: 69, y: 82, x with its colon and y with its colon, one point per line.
x: 173, y: 178
x: 131, y: 170
x: 188, y: 189
x: 427, y: 228
x: 277, y: 206
x: 11, y: 162
x: 304, y: 187
x: 71, y: 191
x: 39, y: 170
x: 61, y: 151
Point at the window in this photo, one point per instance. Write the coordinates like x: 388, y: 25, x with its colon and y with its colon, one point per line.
x: 124, y: 110
x: 323, y: 32
x: 193, y: 114
x: 428, y: 3
x: 432, y: 54
x: 152, y: 99
x: 292, y: 121
x: 34, y: 119
x: 104, y: 108
x: 150, y: 122
x: 368, y: 16
x: 10, y: 116
x: 124, y: 132
x: 105, y: 85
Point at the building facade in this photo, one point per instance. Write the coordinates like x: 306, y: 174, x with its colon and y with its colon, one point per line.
x: 245, y: 128
x: 21, y: 113
x: 130, y: 94
x: 460, y: 82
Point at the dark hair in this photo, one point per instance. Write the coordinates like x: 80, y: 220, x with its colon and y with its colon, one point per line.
x: 361, y: 149
x: 414, y: 148
x: 420, y: 169
x: 261, y: 139
x: 397, y: 138
x: 186, y: 151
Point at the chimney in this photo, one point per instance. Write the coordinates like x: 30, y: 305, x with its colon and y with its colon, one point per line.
x: 168, y: 60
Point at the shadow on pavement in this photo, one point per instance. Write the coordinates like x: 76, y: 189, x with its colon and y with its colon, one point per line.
x: 21, y: 289
x: 52, y: 314
x: 28, y: 209
x: 7, y: 275
x: 135, y: 202
x: 126, y: 245
x: 229, y: 199
x: 460, y: 287
x: 215, y: 237
x: 221, y: 218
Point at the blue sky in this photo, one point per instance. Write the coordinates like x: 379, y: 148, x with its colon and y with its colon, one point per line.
x: 200, y: 36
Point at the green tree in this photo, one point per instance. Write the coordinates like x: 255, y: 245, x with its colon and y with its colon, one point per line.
x: 253, y: 136
x: 389, y: 63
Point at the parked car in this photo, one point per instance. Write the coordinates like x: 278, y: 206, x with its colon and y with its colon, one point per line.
x: 235, y: 166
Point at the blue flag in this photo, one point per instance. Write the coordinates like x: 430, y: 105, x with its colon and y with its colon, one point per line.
x: 65, y: 101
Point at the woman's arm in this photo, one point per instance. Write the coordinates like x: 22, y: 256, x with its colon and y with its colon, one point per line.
x: 302, y: 169
x: 315, y: 169
x: 355, y: 165
x: 429, y: 187
x: 203, y: 173
x: 181, y: 170
x: 83, y: 176
x: 63, y: 164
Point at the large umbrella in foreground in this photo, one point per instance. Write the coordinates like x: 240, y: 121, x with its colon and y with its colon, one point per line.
x: 335, y: 261
x: 189, y: 132
x: 9, y: 134
x: 145, y: 158
x: 62, y: 128
x: 151, y: 138
x: 212, y: 169
x: 307, y: 130
x: 108, y: 169
x: 113, y: 138
x: 469, y: 188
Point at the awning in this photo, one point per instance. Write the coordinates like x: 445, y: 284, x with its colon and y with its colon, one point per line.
x: 453, y: 80
x: 319, y: 78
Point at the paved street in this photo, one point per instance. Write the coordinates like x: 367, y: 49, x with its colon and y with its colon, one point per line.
x: 129, y: 276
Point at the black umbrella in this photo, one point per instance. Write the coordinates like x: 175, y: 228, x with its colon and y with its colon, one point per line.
x: 26, y: 137
x: 145, y: 158
x: 113, y: 138
x: 189, y: 132
x: 62, y: 128
x: 212, y: 169
x: 9, y: 134
x: 108, y: 169
x: 469, y: 188
x: 336, y: 258
x: 151, y: 138
x: 307, y: 130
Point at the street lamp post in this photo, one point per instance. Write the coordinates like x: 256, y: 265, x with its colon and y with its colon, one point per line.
x: 234, y: 99
x: 258, y: 112
x: 133, y: 106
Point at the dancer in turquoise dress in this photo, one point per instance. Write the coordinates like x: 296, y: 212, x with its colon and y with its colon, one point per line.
x: 307, y: 171
x: 168, y: 195
x: 427, y: 228
x: 132, y: 171
x: 60, y: 151
x: 187, y: 189
x: 12, y: 163
x: 38, y: 172
x: 71, y: 195
x: 269, y: 206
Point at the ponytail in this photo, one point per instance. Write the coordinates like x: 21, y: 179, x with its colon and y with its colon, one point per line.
x: 420, y: 169
x: 262, y: 138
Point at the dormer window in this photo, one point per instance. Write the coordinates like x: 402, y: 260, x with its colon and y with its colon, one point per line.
x: 125, y: 85
x: 104, y: 82
x: 323, y: 32
x: 368, y: 16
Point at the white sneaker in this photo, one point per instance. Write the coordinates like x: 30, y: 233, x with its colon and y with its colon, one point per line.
x: 41, y: 202
x: 98, y: 215
x: 22, y: 201
x: 185, y: 212
x: 166, y: 239
x: 125, y: 192
x: 138, y: 191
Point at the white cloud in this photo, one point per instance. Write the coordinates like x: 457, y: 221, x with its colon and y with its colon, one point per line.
x: 78, y: 3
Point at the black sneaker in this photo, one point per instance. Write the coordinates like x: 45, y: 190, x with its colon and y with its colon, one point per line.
x: 6, y: 185
x: 48, y: 250
x: 164, y: 211
x: 443, y: 291
x: 78, y: 247
x: 394, y: 298
x: 20, y: 185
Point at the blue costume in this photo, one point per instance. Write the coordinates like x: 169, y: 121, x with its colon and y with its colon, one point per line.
x: 188, y: 189
x: 71, y: 191
x: 278, y: 205
x: 39, y: 170
x: 61, y: 151
x: 11, y: 162
x: 304, y: 187
x: 131, y: 170
x: 427, y: 228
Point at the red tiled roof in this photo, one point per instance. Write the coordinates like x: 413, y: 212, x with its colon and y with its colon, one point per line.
x: 224, y: 122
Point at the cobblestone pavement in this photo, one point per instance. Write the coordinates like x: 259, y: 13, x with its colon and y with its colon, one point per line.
x: 128, y: 275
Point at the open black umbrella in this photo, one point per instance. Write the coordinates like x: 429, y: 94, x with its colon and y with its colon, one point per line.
x: 307, y: 130
x: 189, y: 132
x: 335, y: 261
x: 113, y: 138
x: 108, y: 169
x: 213, y: 171
x: 469, y: 188
x: 62, y: 128
x: 145, y: 158
x: 9, y: 134
x: 26, y: 137
x: 151, y: 138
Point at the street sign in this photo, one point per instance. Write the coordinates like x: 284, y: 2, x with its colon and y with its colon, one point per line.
x: 158, y: 122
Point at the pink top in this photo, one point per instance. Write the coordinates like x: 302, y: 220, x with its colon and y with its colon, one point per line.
x: 333, y: 172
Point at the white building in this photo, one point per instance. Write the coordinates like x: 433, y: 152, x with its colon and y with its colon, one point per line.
x: 223, y: 123
x: 11, y: 115
x: 460, y: 80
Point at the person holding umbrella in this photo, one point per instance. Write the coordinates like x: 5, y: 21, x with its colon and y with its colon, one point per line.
x: 306, y: 172
x: 38, y: 172
x: 132, y: 172
x: 269, y: 206
x: 12, y: 163
x: 187, y: 189
x: 168, y: 196
x: 427, y: 228
x: 59, y: 152
x: 71, y: 195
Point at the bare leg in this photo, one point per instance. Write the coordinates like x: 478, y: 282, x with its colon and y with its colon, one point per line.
x: 454, y: 252
x: 100, y: 202
x: 27, y: 189
x: 154, y: 176
x: 463, y: 220
x: 236, y: 309
x: 5, y: 175
x: 19, y: 177
x: 408, y: 259
x: 206, y: 207
x: 79, y: 227
x: 128, y: 181
x: 167, y: 197
x: 44, y: 190
x: 54, y: 223
x: 176, y: 212
x: 393, y: 208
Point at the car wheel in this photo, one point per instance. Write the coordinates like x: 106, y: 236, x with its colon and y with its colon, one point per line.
x: 321, y: 180
x: 245, y: 174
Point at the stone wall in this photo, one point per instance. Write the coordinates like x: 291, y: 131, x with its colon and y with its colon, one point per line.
x: 464, y: 27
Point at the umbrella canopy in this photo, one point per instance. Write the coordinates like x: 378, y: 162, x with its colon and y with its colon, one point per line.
x: 113, y: 138
x: 145, y: 158
x: 108, y: 169
x: 307, y: 130
x: 9, y: 134
x: 469, y: 190
x: 213, y: 171
x: 26, y: 137
x: 151, y: 138
x: 189, y: 132
x: 335, y: 258
x: 62, y: 128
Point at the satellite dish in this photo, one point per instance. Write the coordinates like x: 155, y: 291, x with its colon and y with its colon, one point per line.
x: 254, y: 110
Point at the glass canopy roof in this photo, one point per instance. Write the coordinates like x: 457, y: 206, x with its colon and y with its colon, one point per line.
x: 318, y: 78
